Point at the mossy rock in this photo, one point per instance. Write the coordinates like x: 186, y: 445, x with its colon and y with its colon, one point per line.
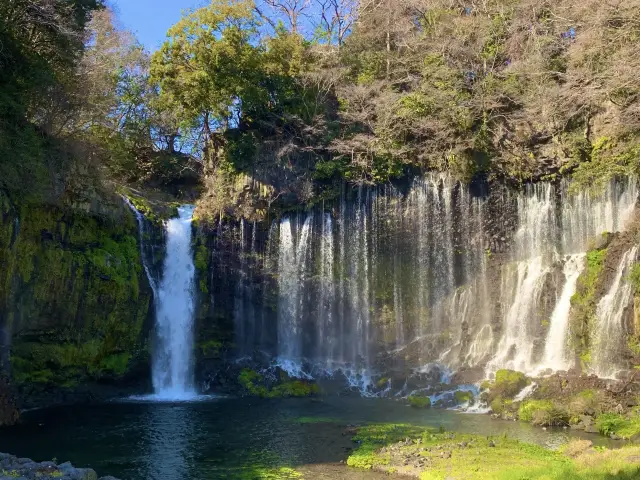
x: 419, y: 402
x: 97, y: 328
x: 462, y: 397
x: 254, y: 384
x: 382, y: 383
x: 507, y: 384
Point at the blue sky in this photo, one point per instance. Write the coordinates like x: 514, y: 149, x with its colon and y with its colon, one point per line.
x: 150, y: 19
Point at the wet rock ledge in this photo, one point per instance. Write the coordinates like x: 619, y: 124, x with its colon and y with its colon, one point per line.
x: 14, y: 468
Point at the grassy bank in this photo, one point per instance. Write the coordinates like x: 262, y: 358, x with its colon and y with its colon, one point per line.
x: 437, y: 455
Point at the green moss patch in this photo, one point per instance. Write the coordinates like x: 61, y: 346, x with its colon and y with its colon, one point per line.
x: 436, y: 455
x: 419, y: 402
x: 255, y: 385
x: 94, y: 329
x: 66, y: 364
x: 584, y: 304
x: 462, y: 397
x: 498, y: 394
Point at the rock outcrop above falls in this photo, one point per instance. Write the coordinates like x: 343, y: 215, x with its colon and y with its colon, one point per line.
x: 12, y: 468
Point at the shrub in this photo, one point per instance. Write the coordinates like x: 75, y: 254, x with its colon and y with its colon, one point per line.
x: 609, y: 423
x: 419, y: 402
x: 543, y: 413
x: 528, y: 408
x: 499, y: 405
x: 586, y: 402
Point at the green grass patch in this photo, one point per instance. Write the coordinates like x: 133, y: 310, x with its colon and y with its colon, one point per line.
x: 447, y: 455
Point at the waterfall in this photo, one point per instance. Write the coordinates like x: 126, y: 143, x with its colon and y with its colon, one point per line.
x: 394, y: 278
x: 547, y: 231
x: 141, y: 231
x: 326, y: 327
x: 609, y: 337
x: 292, y: 263
x: 555, y: 351
x: 173, y: 356
x: 523, y: 278
x: 244, y: 313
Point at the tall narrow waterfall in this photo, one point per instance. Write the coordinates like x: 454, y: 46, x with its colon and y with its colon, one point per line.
x: 172, y: 362
x: 609, y: 338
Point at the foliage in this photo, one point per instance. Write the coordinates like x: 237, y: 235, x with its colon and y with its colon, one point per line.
x: 634, y: 277
x: 609, y: 423
x: 543, y: 413
x: 374, y: 91
x: 587, y: 401
x: 208, y: 67
x: 419, y: 402
x: 613, y: 423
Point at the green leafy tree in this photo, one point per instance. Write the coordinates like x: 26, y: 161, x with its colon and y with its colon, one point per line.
x: 210, y: 67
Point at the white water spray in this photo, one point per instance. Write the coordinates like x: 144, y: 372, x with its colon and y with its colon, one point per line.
x: 609, y: 337
x: 147, y: 270
x: 172, y: 363
x: 555, y: 352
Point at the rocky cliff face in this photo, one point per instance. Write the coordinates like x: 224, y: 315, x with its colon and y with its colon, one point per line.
x: 75, y: 305
x: 8, y: 407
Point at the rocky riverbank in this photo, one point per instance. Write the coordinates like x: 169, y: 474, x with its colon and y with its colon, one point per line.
x: 580, y: 402
x: 14, y: 468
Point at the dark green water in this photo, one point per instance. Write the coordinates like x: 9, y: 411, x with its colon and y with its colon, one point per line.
x: 229, y: 438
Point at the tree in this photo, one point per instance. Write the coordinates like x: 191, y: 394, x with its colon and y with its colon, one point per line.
x: 290, y: 11
x: 336, y: 19
x: 40, y: 44
x: 114, y: 72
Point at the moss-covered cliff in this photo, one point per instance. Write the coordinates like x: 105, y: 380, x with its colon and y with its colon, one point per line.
x: 74, y: 300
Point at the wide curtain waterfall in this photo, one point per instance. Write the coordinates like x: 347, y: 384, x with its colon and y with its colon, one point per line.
x: 391, y: 279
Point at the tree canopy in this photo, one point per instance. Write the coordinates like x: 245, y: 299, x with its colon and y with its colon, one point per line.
x: 302, y: 95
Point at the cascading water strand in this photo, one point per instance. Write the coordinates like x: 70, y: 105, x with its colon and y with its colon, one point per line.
x: 173, y: 357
